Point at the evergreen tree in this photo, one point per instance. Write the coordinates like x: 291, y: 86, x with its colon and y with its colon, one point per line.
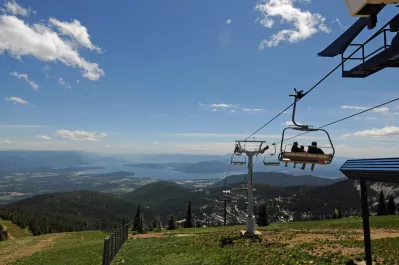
x: 136, y: 220
x: 391, y: 206
x: 263, y: 218
x: 339, y: 214
x: 188, y: 223
x: 154, y: 223
x: 172, y: 223
x: 381, y: 210
x: 140, y: 226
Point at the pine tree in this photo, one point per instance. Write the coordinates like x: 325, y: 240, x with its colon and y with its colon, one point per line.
x: 140, y: 226
x: 391, y: 206
x: 381, y: 210
x: 263, y: 218
x: 339, y: 214
x: 172, y: 223
x: 154, y: 223
x: 188, y: 223
x: 136, y: 220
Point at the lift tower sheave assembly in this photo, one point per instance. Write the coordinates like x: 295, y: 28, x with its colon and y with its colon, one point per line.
x: 249, y: 149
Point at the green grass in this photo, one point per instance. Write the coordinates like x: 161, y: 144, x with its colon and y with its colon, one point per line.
x: 67, y: 249
x: 319, y: 242
x: 15, y: 231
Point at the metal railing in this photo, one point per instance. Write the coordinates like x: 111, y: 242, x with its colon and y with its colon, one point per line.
x: 114, y: 242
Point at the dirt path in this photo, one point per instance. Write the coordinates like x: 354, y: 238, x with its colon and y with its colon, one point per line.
x: 156, y: 235
x: 18, y: 249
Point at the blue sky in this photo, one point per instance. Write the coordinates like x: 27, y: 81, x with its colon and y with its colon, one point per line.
x: 180, y: 76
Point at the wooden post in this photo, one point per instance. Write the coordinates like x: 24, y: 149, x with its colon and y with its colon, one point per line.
x: 366, y: 222
x: 106, y: 252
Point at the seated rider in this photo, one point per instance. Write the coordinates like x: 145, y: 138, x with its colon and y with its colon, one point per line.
x: 313, y: 149
x: 303, y: 149
x: 237, y: 149
x: 295, y: 148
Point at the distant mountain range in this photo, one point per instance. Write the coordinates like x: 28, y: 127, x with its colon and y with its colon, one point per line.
x: 277, y: 179
x: 203, y: 167
x: 166, y: 198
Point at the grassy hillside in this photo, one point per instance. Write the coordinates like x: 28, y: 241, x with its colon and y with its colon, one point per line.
x: 321, y: 242
x: 78, y: 248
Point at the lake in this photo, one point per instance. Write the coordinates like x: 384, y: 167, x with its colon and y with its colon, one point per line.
x: 159, y: 174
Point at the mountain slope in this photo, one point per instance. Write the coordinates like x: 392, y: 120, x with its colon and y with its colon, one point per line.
x: 278, y: 179
x: 167, y: 198
x: 79, y: 205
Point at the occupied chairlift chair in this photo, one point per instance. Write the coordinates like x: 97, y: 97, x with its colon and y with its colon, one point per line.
x: 303, y: 157
x: 237, y: 158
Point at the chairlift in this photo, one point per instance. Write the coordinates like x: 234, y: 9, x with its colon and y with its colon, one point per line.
x: 273, y: 163
x: 237, y: 158
x: 303, y: 157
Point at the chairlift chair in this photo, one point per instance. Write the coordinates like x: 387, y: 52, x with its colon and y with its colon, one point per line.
x: 266, y: 162
x: 302, y: 157
x: 238, y: 160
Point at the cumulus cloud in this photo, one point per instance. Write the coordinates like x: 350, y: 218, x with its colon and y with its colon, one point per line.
x: 76, y: 31
x: 23, y: 76
x: 81, y: 135
x: 62, y: 82
x: 42, y: 42
x: 228, y: 21
x: 230, y: 107
x: 305, y: 23
x: 16, y: 100
x: 375, y: 132
x: 15, y: 9
x: 43, y: 137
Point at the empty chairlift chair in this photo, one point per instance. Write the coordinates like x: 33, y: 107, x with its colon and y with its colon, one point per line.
x: 270, y: 160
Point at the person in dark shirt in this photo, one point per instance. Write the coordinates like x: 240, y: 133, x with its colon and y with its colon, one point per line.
x: 313, y: 149
x: 295, y: 148
x: 303, y: 149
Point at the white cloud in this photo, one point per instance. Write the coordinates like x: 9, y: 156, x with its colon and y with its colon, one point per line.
x: 43, y: 137
x: 15, y: 9
x: 76, y: 31
x: 77, y: 81
x: 339, y: 23
x: 16, y: 100
x: 23, y: 76
x: 41, y: 42
x: 305, y: 23
x: 383, y: 110
x: 252, y: 110
x: 5, y: 142
x: 81, y: 135
x: 374, y: 132
x: 63, y: 83
x: 289, y: 123
x: 230, y: 107
x: 228, y: 21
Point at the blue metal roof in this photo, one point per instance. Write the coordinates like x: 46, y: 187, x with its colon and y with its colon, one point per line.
x: 378, y: 169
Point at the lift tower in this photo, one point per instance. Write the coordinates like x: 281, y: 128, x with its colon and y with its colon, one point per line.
x: 249, y: 149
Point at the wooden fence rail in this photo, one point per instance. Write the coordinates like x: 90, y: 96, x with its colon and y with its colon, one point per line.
x: 114, y: 242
